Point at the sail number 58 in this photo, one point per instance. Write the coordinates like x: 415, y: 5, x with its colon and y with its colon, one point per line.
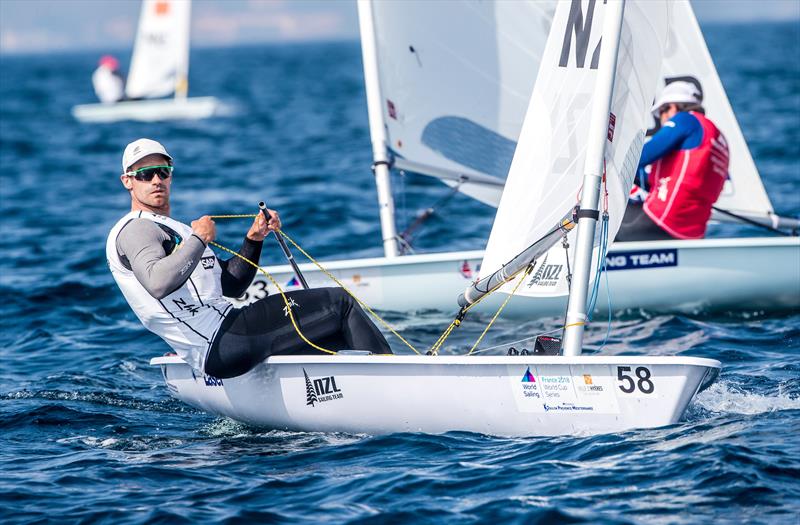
x: 628, y: 384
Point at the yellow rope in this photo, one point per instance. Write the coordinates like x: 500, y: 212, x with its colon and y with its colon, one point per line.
x: 497, y: 313
x: 250, y: 216
x: 359, y: 301
x: 457, y: 321
x: 285, y: 300
x: 434, y: 348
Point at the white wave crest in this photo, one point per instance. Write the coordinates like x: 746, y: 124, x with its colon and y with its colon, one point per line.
x: 724, y: 397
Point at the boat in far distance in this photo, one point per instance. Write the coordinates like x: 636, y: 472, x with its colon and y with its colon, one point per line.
x: 159, y: 68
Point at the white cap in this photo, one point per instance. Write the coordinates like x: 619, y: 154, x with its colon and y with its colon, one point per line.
x: 678, y: 92
x: 139, y: 149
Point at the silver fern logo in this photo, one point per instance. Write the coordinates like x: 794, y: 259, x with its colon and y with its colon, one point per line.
x: 321, y: 389
x: 311, y: 395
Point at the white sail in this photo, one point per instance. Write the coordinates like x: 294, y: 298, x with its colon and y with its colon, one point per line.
x: 456, y: 77
x: 548, y: 167
x: 687, y: 58
x: 160, y: 62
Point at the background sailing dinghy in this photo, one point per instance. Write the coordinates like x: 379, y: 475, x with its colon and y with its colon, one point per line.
x: 522, y: 395
x: 447, y: 99
x: 159, y: 68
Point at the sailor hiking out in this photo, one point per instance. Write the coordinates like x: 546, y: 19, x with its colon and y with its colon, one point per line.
x: 178, y: 288
x: 689, y: 166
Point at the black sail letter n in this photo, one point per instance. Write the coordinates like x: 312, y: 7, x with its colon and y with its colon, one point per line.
x: 575, y: 24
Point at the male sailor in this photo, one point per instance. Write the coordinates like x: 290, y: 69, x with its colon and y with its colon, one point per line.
x: 109, y: 86
x: 177, y: 287
x: 688, y: 157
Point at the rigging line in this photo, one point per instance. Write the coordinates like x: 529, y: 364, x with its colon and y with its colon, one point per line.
x: 554, y: 330
x: 359, y: 301
x: 318, y: 265
x: 562, y: 226
x: 519, y: 282
x: 245, y: 216
x: 429, y: 212
x: 751, y: 222
x: 285, y: 300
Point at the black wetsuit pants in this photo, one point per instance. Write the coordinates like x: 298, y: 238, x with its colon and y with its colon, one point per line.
x: 328, y: 317
x: 638, y: 226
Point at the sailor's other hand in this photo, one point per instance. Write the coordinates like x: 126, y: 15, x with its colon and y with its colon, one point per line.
x: 261, y: 227
x: 205, y: 228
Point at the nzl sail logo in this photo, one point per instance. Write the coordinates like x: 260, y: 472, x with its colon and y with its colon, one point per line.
x: 581, y: 29
x: 322, y: 389
x: 546, y: 275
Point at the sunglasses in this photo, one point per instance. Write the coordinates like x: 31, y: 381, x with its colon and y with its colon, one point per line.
x: 147, y: 173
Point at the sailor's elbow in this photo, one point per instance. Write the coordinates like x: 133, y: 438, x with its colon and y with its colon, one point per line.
x: 158, y: 292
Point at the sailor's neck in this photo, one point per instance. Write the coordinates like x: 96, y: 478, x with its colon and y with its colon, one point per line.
x: 164, y: 212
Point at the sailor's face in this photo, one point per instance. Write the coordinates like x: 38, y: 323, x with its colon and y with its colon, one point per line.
x: 669, y: 111
x: 154, y: 193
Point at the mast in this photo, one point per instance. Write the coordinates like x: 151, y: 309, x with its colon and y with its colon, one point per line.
x: 182, y: 66
x: 593, y: 173
x: 377, y: 128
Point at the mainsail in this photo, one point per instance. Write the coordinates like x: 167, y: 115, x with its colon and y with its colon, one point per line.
x: 455, y: 78
x: 160, y: 63
x: 547, y: 171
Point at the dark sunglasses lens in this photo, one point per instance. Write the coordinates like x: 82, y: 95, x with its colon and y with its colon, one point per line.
x: 146, y: 175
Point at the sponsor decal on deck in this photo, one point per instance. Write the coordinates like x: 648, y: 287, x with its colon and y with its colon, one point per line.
x: 321, y: 389
x: 642, y: 259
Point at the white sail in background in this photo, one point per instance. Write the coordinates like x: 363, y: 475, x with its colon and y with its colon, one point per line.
x: 456, y: 77
x: 451, y: 94
x: 687, y: 58
x: 160, y: 63
x: 547, y: 171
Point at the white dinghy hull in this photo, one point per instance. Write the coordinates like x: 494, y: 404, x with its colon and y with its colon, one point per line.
x: 506, y: 396
x: 687, y: 277
x: 148, y: 110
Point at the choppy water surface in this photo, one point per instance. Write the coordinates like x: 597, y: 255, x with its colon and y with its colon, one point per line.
x: 89, y: 433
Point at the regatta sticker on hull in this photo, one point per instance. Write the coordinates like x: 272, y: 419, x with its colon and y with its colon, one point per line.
x: 568, y: 389
x: 321, y: 389
x: 640, y: 260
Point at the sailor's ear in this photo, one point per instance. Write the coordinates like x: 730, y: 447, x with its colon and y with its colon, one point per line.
x: 126, y: 181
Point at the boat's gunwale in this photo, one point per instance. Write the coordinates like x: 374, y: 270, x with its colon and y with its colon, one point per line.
x: 471, y: 360
x: 618, y: 248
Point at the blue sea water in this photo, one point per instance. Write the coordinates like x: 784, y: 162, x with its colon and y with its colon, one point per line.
x: 89, y: 433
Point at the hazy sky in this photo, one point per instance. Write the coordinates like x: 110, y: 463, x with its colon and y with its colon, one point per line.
x: 47, y: 25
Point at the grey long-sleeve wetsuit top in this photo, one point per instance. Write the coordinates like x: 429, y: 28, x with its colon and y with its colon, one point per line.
x: 148, y: 249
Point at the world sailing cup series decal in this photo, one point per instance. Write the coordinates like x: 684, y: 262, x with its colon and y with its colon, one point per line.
x: 321, y: 389
x: 560, y: 388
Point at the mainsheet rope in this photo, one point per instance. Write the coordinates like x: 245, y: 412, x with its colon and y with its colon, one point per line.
x: 436, y: 346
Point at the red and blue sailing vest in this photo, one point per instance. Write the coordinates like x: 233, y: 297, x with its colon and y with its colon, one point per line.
x: 684, y: 184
